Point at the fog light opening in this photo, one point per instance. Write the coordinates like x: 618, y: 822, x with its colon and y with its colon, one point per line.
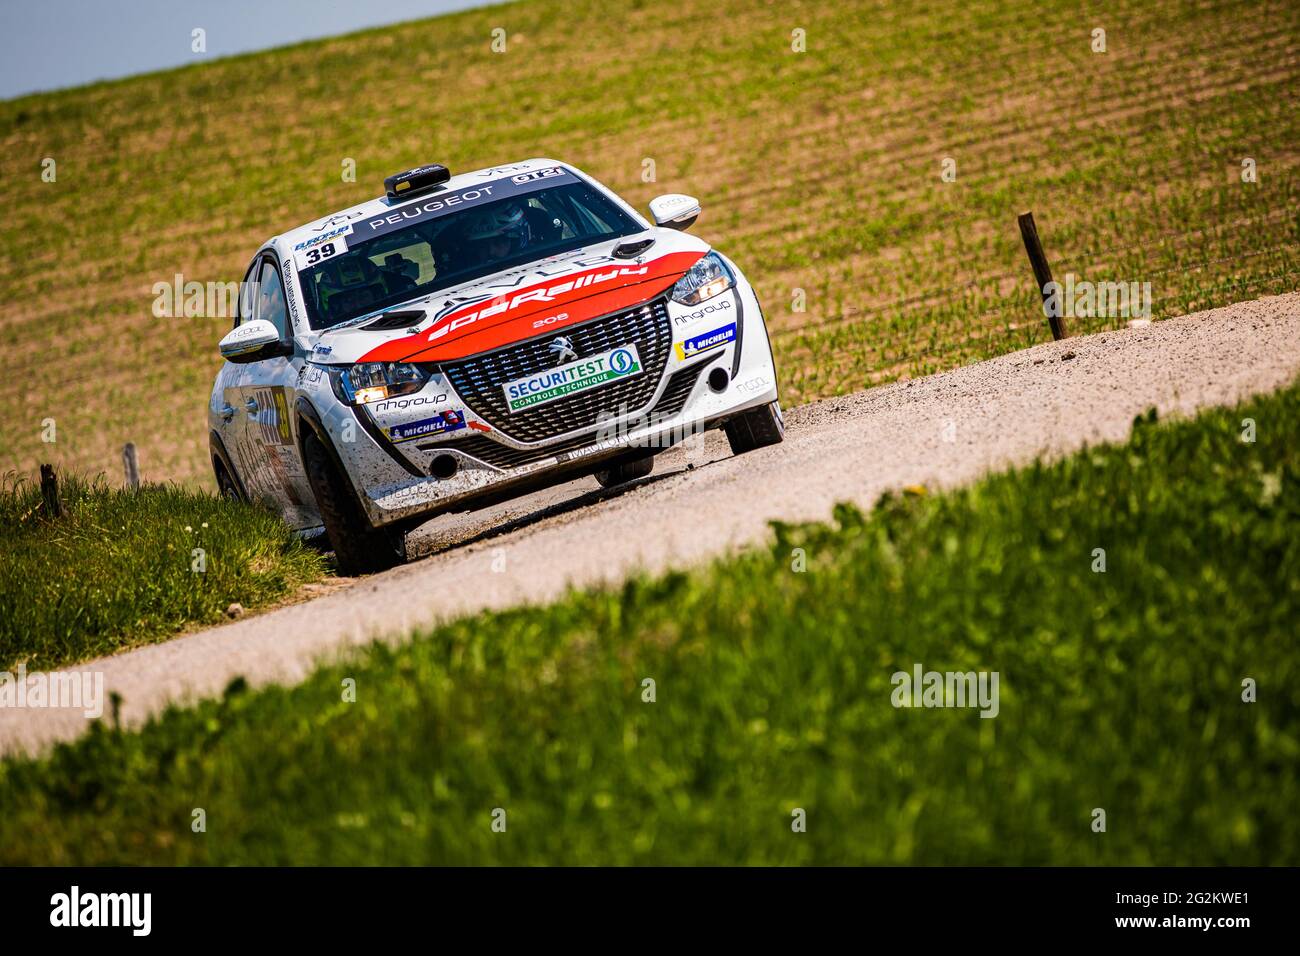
x: 444, y: 466
x: 718, y: 379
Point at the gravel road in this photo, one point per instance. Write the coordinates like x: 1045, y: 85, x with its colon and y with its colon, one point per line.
x: 939, y: 431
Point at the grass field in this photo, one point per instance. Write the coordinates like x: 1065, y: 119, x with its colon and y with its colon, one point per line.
x: 1120, y: 690
x: 120, y: 568
x: 819, y: 171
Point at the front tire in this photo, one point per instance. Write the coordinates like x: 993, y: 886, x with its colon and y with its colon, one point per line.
x: 358, y: 548
x: 226, y: 486
x: 625, y: 471
x: 756, y: 428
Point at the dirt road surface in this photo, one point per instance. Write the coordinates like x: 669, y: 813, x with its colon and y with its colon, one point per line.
x: 939, y: 431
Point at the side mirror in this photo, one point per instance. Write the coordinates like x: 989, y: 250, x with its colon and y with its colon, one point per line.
x: 251, y: 342
x: 674, y: 211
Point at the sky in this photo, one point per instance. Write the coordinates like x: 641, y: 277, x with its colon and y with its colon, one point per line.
x: 51, y: 44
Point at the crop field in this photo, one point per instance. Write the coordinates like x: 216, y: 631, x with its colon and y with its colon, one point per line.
x: 821, y: 172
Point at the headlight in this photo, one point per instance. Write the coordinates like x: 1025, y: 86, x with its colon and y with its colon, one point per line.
x: 707, y: 278
x: 375, y: 381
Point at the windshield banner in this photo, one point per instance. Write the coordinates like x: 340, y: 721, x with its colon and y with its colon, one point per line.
x: 441, y: 204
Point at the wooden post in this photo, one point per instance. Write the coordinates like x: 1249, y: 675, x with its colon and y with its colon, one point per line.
x: 1042, y: 271
x: 131, y: 465
x: 50, y: 492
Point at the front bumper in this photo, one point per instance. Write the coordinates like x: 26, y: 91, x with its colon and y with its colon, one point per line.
x: 399, y: 445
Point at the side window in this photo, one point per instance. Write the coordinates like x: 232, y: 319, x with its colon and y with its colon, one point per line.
x: 248, y: 293
x: 270, y: 299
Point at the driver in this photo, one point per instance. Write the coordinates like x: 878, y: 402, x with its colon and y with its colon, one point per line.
x: 348, y: 274
x: 494, y: 234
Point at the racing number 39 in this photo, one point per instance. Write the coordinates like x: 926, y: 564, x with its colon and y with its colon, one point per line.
x: 322, y: 252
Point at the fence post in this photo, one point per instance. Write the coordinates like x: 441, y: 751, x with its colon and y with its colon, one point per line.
x: 1042, y: 271
x: 131, y: 465
x: 50, y: 492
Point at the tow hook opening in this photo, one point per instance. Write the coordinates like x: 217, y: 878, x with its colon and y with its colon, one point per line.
x: 718, y: 379
x: 444, y: 466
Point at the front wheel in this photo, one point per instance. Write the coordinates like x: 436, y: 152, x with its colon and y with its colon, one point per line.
x: 358, y: 548
x: 755, y: 428
x: 226, y: 486
x: 626, y: 471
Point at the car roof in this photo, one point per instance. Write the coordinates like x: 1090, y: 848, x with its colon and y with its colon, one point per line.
x: 285, y: 242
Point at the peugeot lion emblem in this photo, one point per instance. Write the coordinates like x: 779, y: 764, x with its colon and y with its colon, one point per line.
x: 564, y: 350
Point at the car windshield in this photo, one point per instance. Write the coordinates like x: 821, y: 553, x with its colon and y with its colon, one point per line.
x: 455, y: 247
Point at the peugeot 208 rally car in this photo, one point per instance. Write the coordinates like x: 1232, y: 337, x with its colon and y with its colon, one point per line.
x: 466, y: 339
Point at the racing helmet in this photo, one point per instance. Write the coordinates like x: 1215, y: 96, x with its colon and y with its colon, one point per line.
x: 503, y: 222
x: 345, y: 274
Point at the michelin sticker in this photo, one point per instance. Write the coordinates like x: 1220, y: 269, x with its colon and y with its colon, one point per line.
x: 697, y: 344
x: 565, y: 380
x: 448, y: 421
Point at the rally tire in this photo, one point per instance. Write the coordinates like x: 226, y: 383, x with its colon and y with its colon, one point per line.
x: 358, y: 548
x: 756, y: 428
x: 626, y: 471
x: 226, y: 486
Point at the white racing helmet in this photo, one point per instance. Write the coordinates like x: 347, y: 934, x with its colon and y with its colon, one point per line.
x: 503, y: 222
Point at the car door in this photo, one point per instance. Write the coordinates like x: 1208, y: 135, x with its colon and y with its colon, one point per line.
x: 233, y: 381
x: 263, y: 397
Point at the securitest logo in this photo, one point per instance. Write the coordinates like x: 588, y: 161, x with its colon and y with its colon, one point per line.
x: 697, y: 344
x: 565, y: 380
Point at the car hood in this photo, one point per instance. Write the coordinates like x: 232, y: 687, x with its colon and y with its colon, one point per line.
x: 514, y: 304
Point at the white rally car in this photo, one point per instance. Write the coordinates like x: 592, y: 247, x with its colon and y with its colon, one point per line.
x: 467, y: 339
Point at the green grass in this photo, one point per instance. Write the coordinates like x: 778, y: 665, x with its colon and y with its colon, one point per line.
x: 118, y: 569
x: 818, y: 171
x: 1120, y: 690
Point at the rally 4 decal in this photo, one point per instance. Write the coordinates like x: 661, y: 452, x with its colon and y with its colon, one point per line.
x: 560, y: 291
x: 502, y: 319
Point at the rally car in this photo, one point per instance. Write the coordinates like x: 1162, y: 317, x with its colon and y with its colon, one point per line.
x: 467, y: 339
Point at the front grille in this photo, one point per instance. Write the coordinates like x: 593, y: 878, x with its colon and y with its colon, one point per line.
x: 493, y: 452
x: 679, y: 389
x: 478, y: 380
x: 503, y: 456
